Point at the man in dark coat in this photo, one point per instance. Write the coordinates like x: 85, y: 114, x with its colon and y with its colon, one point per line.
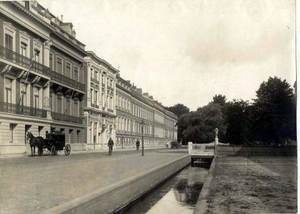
x: 110, y: 145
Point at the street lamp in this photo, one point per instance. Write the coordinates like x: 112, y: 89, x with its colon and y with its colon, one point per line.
x: 142, y: 126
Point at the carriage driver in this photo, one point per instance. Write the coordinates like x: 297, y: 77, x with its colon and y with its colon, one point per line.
x: 49, y: 138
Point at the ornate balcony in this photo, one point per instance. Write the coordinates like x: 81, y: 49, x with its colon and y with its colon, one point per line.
x: 23, y: 61
x: 110, y: 88
x: 66, y: 118
x: 94, y: 80
x: 23, y: 110
x: 66, y: 80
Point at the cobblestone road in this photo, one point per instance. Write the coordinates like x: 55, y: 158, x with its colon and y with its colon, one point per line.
x: 34, y: 184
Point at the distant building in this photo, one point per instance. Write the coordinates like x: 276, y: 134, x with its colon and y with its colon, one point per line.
x: 136, y: 110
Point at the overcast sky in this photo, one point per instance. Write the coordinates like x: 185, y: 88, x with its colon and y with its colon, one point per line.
x: 186, y: 52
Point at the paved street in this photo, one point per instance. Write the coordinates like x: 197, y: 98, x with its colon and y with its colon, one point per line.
x: 34, y: 184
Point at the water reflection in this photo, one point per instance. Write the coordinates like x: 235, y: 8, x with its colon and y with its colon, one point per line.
x: 187, y: 193
x: 178, y: 195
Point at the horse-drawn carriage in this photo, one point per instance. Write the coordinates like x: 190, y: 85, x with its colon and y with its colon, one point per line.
x: 54, y: 142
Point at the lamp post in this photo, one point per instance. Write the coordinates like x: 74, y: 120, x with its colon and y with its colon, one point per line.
x: 142, y: 126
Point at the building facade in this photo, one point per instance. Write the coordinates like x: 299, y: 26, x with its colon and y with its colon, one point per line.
x: 100, y: 107
x: 48, y: 82
x: 42, y: 70
x: 140, y: 116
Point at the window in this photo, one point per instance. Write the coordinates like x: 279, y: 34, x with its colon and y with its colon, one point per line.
x: 59, y: 65
x: 23, y: 49
x: 9, y: 46
x: 92, y: 74
x: 59, y: 104
x: 102, y: 99
x: 96, y: 97
x: 68, y: 69
x: 11, y: 129
x: 91, y: 95
x: 67, y: 111
x: 8, y: 90
x: 36, y: 101
x: 23, y: 98
x: 76, y: 74
x: 96, y: 75
x: 52, y: 102
x: 75, y: 108
x: 9, y: 42
x: 36, y: 55
x: 51, y: 62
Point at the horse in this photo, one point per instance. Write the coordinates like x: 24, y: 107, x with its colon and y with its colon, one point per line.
x: 35, y: 142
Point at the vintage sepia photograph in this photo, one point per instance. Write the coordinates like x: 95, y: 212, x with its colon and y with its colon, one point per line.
x: 148, y: 106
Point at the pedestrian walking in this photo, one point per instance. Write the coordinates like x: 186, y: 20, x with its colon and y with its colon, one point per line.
x: 110, y: 145
x: 137, y: 144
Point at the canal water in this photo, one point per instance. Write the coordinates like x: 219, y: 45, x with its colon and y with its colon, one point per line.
x: 178, y: 195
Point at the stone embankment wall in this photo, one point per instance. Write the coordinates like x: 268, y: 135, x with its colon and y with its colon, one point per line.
x: 257, y: 151
x: 116, y: 196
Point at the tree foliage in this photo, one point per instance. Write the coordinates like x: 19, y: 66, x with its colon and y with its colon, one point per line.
x: 274, y: 111
x: 219, y: 99
x: 199, y: 126
x: 270, y: 119
x: 236, y: 121
x: 178, y: 109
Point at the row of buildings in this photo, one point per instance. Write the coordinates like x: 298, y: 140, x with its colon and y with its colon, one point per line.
x: 49, y: 82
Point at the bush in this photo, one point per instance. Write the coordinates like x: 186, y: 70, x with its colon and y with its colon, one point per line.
x: 175, y: 145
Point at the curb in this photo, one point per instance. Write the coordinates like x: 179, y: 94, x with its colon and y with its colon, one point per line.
x: 201, y: 206
x: 105, y: 151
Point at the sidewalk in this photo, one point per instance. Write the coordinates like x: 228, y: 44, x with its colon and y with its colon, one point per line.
x: 36, y: 184
x: 102, y: 151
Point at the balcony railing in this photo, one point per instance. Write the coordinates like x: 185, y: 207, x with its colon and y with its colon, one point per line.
x: 23, y: 61
x: 110, y: 88
x: 23, y: 110
x: 94, y: 80
x: 67, y: 118
x: 66, y: 80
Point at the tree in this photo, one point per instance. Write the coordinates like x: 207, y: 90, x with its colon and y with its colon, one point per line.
x: 219, y: 99
x: 178, y: 109
x: 274, y: 112
x: 236, y: 121
x: 199, y: 126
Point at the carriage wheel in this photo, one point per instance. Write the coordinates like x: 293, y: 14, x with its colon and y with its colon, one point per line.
x: 67, y: 149
x: 53, y: 150
x: 40, y: 151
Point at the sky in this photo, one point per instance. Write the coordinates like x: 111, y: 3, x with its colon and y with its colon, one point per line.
x: 188, y: 51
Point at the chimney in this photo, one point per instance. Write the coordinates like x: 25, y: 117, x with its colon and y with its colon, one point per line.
x: 61, y: 19
x: 146, y: 94
x: 139, y: 90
